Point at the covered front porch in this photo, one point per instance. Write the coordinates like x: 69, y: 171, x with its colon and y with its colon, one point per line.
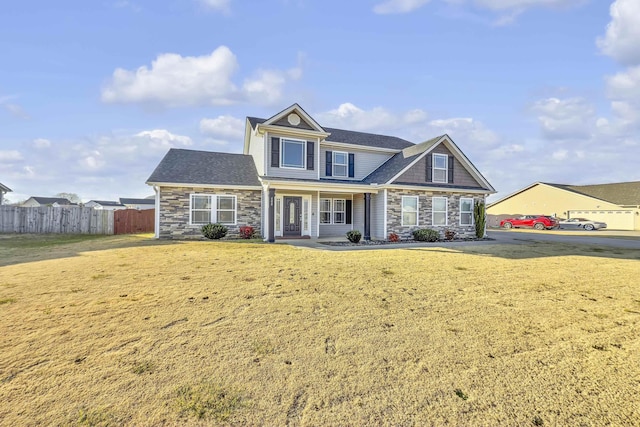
x: 293, y: 211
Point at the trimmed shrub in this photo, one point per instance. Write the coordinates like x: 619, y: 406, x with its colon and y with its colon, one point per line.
x: 354, y: 236
x: 449, y: 234
x: 426, y: 235
x: 214, y: 231
x: 393, y: 237
x: 247, y: 232
x: 480, y: 218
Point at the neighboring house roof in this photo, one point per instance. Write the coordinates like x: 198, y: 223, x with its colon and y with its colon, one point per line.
x: 125, y: 201
x: 354, y: 137
x: 181, y: 166
x: 619, y: 193
x: 52, y: 200
x: 4, y: 188
x: 106, y: 203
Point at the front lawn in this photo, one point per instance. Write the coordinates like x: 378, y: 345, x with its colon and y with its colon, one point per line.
x: 128, y: 330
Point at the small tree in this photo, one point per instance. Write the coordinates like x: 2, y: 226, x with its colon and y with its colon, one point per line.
x: 72, y: 197
x: 480, y: 218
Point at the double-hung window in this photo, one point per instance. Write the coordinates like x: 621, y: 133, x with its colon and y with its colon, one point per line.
x: 293, y: 153
x: 340, y: 164
x: 409, y: 211
x: 209, y: 208
x: 440, y: 172
x: 333, y: 211
x: 466, y: 211
x: 439, y: 211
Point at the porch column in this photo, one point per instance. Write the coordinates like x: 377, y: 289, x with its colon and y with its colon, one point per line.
x: 272, y: 216
x: 367, y: 216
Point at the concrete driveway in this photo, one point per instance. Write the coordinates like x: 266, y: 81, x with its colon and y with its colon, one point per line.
x: 611, y: 238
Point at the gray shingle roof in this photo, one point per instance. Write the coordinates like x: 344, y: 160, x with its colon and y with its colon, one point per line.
x: 619, y: 193
x: 125, y: 201
x: 106, y: 203
x: 181, y: 166
x: 52, y: 200
x: 356, y: 138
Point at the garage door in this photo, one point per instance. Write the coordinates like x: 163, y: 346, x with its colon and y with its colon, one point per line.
x: 616, y: 220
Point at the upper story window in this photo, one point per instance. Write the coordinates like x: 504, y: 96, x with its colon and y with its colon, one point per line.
x: 340, y: 163
x: 293, y: 153
x: 440, y: 171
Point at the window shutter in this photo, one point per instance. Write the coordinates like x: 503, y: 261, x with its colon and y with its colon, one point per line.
x: 310, y: 156
x: 429, y: 177
x: 352, y: 169
x: 347, y: 213
x: 329, y: 167
x: 450, y: 170
x: 275, y: 152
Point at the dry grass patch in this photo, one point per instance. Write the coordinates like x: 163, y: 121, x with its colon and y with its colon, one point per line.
x: 208, y: 333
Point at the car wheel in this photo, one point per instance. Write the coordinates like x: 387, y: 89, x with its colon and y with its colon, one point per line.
x: 538, y: 226
x: 588, y: 227
x: 507, y: 225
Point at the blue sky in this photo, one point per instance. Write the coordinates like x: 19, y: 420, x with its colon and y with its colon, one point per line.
x: 93, y: 94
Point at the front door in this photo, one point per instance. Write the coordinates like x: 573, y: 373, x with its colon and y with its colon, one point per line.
x: 291, y: 216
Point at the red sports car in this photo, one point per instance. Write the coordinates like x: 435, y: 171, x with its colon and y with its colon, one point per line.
x: 539, y: 222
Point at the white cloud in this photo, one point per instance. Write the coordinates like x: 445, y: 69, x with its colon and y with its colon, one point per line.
x: 560, y: 154
x: 559, y: 119
x: 223, y: 6
x: 225, y: 126
x: 622, y: 37
x: 174, y: 81
x: 10, y: 156
x: 467, y: 129
x: 502, y: 5
x: 349, y: 116
x: 41, y: 143
x: 398, y: 6
x: 161, y: 139
x: 626, y: 84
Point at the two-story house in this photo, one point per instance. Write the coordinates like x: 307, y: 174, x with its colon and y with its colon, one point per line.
x: 297, y: 178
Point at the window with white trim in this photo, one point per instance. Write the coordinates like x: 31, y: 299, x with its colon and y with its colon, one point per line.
x: 333, y: 211
x: 339, y: 207
x: 466, y: 211
x: 340, y: 163
x: 440, y: 172
x: 409, y: 211
x: 293, y: 153
x: 439, y: 211
x: 325, y: 211
x: 210, y: 208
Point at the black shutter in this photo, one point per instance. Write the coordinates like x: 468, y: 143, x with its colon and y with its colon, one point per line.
x: 352, y: 168
x: 329, y: 167
x: 348, y: 212
x: 275, y: 152
x: 450, y: 170
x: 429, y: 176
x: 310, y: 156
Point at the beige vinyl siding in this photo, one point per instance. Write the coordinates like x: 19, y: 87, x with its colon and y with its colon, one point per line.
x: 256, y: 150
x: 417, y: 173
x: 285, y: 123
x: 289, y: 172
x: 378, y: 215
x: 365, y: 161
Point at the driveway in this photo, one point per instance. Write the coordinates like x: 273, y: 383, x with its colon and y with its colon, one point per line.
x: 616, y: 239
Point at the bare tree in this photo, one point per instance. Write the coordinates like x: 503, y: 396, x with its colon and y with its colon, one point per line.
x: 72, y: 197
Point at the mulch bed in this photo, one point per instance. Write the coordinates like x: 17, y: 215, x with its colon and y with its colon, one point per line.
x: 388, y: 242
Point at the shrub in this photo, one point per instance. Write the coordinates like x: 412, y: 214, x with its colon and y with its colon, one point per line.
x: 247, y: 232
x: 449, y: 234
x: 426, y: 235
x: 354, y: 236
x: 214, y: 231
x: 480, y: 218
x: 393, y: 237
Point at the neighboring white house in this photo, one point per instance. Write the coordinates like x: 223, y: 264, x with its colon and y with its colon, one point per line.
x: 3, y: 190
x: 139, y: 204
x: 106, y: 205
x: 37, y: 201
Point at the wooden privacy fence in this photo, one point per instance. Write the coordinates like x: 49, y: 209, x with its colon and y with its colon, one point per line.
x: 75, y: 220
x: 48, y: 219
x: 131, y: 221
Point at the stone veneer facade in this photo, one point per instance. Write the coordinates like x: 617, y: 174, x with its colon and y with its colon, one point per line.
x: 174, y: 211
x: 394, y: 212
